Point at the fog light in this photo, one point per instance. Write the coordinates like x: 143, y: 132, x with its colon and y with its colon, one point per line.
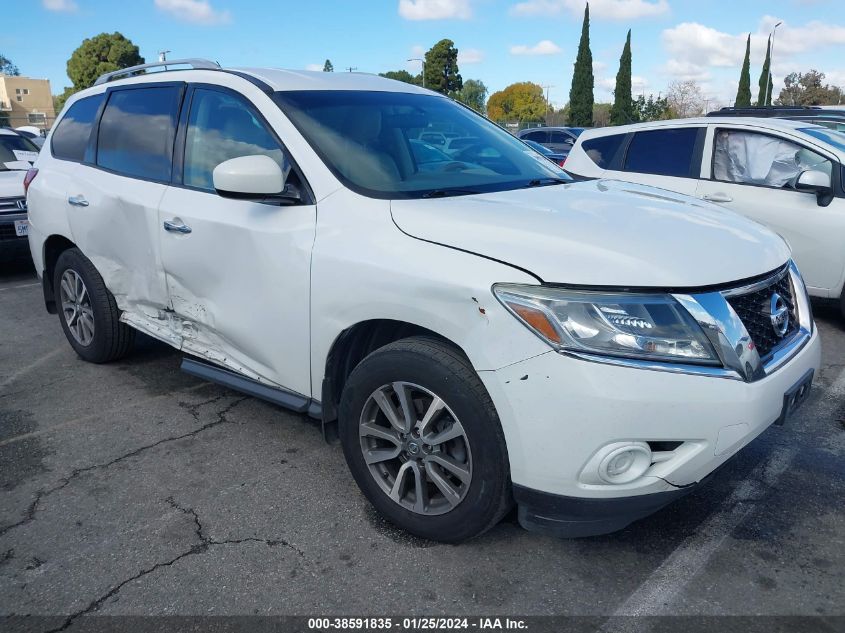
x: 625, y: 463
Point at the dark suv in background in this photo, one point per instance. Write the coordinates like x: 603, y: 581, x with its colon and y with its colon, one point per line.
x: 832, y: 117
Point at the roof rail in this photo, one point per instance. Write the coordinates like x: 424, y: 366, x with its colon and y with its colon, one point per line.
x: 199, y: 64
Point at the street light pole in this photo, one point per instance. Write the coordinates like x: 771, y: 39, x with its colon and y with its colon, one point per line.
x: 771, y: 61
x: 422, y: 61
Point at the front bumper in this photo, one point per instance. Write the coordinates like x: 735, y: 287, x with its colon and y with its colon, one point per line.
x: 559, y: 412
x: 12, y: 247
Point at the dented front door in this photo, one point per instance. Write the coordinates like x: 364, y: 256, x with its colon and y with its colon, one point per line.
x: 238, y: 271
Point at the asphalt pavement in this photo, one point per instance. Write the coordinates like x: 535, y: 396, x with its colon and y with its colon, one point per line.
x: 134, y: 489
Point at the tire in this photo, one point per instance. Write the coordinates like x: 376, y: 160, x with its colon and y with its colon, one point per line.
x: 110, y: 339
x: 426, y: 368
x: 842, y: 304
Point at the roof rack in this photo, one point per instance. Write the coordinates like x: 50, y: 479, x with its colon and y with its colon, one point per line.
x: 197, y: 64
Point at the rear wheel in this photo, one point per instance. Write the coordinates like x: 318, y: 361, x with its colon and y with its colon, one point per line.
x: 423, y: 441
x: 87, y: 311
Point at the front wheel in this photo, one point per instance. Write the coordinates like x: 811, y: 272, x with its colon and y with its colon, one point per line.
x: 423, y: 441
x: 87, y: 310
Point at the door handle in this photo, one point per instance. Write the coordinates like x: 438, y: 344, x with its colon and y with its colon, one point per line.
x: 717, y: 197
x: 77, y: 201
x: 176, y: 226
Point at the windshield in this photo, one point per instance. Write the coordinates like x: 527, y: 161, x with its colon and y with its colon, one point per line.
x: 14, y: 149
x: 831, y: 137
x: 370, y: 141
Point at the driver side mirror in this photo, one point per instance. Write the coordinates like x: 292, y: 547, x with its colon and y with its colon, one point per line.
x: 249, y: 178
x: 818, y: 182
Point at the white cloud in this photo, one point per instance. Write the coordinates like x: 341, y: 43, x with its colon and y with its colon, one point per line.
x: 638, y: 84
x: 544, y: 47
x: 314, y: 67
x: 599, y: 67
x: 695, y: 48
x: 67, y: 6
x: 600, y: 9
x: 470, y: 56
x: 195, y: 11
x: 435, y: 9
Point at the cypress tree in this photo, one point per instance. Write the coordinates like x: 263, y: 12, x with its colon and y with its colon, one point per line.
x: 764, y: 97
x: 622, y: 111
x: 581, y: 94
x: 743, y: 93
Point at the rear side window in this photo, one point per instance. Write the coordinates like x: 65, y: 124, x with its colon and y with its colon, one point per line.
x: 601, y: 150
x: 537, y: 137
x: 71, y: 136
x: 137, y: 130
x: 662, y: 152
x: 561, y: 138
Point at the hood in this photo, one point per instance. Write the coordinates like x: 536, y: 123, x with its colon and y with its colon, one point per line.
x: 11, y: 184
x: 600, y: 233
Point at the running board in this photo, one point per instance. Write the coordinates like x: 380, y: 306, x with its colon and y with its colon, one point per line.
x: 288, y: 399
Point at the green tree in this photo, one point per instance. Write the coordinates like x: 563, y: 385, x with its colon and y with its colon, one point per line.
x: 402, y: 75
x: 623, y: 110
x: 474, y: 94
x: 100, y: 54
x: 581, y: 98
x: 651, y: 109
x: 327, y: 67
x: 801, y: 89
x: 743, y: 93
x: 764, y: 96
x: 601, y: 114
x: 441, y: 68
x: 7, y: 67
x: 522, y: 102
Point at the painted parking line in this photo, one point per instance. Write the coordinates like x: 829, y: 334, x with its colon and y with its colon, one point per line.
x: 655, y: 595
x: 28, y: 368
x: 20, y: 286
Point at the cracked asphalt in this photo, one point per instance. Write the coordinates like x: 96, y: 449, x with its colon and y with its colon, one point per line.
x: 134, y: 489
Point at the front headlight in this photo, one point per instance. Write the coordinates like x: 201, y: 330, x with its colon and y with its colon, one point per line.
x: 645, y: 326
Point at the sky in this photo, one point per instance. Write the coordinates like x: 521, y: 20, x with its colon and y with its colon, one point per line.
x: 499, y: 41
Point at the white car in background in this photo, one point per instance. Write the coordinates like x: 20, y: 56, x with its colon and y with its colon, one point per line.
x: 17, y: 153
x: 787, y: 175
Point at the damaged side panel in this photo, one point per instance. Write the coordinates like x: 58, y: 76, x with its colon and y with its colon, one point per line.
x: 118, y: 231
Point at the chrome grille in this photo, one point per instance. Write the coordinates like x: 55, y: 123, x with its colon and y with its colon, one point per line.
x: 754, y: 309
x: 12, y: 205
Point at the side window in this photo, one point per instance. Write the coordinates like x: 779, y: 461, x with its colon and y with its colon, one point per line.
x: 602, y: 150
x: 137, y: 130
x: 561, y: 138
x: 71, y: 136
x: 759, y: 159
x: 662, y: 152
x: 537, y: 137
x: 223, y: 126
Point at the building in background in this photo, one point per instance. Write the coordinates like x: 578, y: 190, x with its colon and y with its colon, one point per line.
x: 26, y: 101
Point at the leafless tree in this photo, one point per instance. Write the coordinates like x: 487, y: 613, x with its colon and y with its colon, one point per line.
x: 685, y: 98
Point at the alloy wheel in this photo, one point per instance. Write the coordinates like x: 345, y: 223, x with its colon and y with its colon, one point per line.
x: 76, y: 307
x: 415, y: 448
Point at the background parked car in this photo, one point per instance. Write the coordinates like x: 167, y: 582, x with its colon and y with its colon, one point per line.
x: 33, y: 134
x: 557, y: 139
x: 788, y: 175
x: 828, y: 116
x: 16, y: 155
x: 558, y: 158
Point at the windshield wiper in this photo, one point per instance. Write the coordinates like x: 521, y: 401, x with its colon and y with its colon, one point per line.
x: 442, y: 193
x: 543, y: 182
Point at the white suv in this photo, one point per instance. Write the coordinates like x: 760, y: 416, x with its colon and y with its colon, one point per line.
x: 789, y: 175
x: 476, y: 334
